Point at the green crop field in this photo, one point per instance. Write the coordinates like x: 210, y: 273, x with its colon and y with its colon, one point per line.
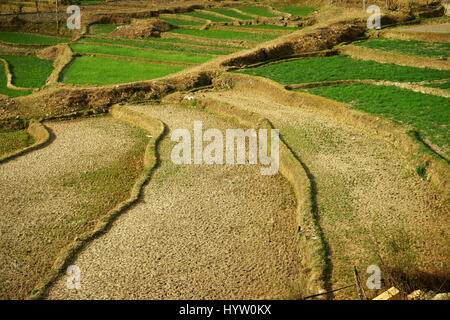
x: 158, y: 46
x: 444, y: 85
x: 267, y: 26
x: 428, y: 114
x: 259, y: 11
x: 342, y: 68
x: 205, y: 16
x: 232, y: 13
x: 180, y: 22
x: 411, y: 47
x: 296, y: 11
x: 102, y: 28
x: 144, y: 54
x: 5, y: 90
x: 29, y: 71
x: 102, y: 71
x: 226, y: 34
x: 23, y: 38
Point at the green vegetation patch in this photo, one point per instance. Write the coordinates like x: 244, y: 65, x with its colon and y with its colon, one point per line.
x: 258, y: 11
x: 102, y: 28
x: 226, y: 34
x: 29, y: 71
x: 144, y: 54
x: 23, y: 38
x: 5, y: 90
x: 444, y: 85
x: 14, y: 140
x: 410, y: 47
x: 102, y: 71
x: 181, y: 22
x: 158, y: 46
x: 427, y: 114
x: 205, y: 16
x: 267, y: 26
x: 343, y: 68
x: 232, y: 13
x: 296, y: 11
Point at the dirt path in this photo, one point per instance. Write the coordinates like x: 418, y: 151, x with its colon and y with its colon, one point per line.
x: 199, y: 232
x: 439, y: 28
x: 369, y: 206
x: 41, y: 203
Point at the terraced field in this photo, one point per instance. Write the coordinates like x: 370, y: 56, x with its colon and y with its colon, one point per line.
x: 362, y: 168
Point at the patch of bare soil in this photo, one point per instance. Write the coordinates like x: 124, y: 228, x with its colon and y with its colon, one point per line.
x: 47, y: 198
x: 432, y: 28
x: 143, y: 29
x: 370, y: 208
x: 199, y: 232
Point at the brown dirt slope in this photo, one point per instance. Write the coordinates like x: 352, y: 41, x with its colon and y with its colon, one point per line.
x: 199, y: 232
x: 371, y: 209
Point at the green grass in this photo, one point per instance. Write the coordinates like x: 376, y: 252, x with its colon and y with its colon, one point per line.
x: 411, y: 47
x: 127, y: 52
x: 267, y: 26
x: 14, y: 140
x: 205, y: 16
x: 342, y: 68
x: 259, y: 11
x: 296, y: 11
x: 102, y: 28
x: 158, y: 46
x: 444, y: 85
x: 175, y: 40
x: 428, y: 114
x: 102, y: 71
x: 181, y: 22
x: 226, y: 34
x: 29, y: 71
x: 232, y: 13
x: 23, y: 38
x: 5, y: 90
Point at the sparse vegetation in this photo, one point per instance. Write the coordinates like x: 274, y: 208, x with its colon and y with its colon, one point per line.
x: 14, y: 140
x: 232, y: 13
x: 206, y: 16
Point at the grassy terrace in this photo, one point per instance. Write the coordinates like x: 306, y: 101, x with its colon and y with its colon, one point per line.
x: 412, y: 47
x: 103, y: 71
x: 127, y: 52
x: 5, y: 90
x: 226, y: 34
x: 158, y: 46
x: 102, y: 28
x: 296, y: 11
x: 258, y: 11
x: 342, y: 68
x: 428, y: 114
x: 267, y: 27
x: 232, y: 13
x: 181, y: 22
x: 28, y: 71
x: 14, y: 140
x: 22, y: 38
x: 444, y: 85
x: 205, y: 16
